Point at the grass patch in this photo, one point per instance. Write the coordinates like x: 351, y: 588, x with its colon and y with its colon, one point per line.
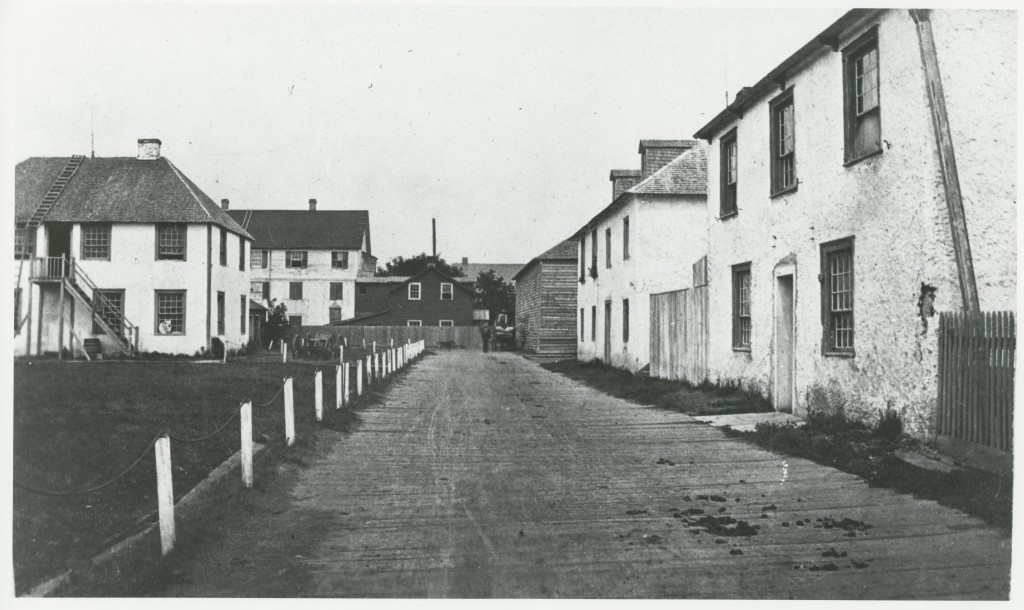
x: 677, y: 396
x: 78, y: 425
x: 870, y: 452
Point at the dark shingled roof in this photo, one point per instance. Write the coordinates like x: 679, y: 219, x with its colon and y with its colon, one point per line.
x: 322, y: 229
x: 568, y: 250
x: 506, y: 271
x: 665, y: 144
x: 687, y: 174
x: 117, y: 189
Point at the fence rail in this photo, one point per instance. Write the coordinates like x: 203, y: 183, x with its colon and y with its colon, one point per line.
x: 432, y: 336
x: 976, y: 366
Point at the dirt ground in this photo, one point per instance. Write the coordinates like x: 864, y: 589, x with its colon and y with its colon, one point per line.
x: 487, y: 476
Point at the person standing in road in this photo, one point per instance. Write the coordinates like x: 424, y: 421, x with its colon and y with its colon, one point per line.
x: 485, y: 334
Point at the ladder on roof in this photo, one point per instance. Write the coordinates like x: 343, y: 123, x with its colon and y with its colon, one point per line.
x: 246, y: 219
x: 49, y: 199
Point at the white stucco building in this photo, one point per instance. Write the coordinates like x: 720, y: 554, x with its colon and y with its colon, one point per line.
x: 308, y: 260
x: 644, y: 242
x: 130, y: 251
x: 829, y: 225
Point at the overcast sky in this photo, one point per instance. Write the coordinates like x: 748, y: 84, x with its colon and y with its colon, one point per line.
x: 502, y: 123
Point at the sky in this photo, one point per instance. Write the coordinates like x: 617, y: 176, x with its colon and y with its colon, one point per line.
x: 501, y: 123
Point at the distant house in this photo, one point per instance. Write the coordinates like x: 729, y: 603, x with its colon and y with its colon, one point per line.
x: 546, y: 302
x: 834, y: 234
x: 644, y: 242
x: 429, y: 298
x: 307, y: 259
x: 126, y: 252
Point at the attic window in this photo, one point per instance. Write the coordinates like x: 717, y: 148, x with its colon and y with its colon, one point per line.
x: 171, y: 241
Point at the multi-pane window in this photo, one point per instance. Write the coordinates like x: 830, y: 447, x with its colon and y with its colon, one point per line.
x: 108, y: 307
x: 414, y: 323
x: 170, y: 242
x: 220, y: 313
x: 23, y: 246
x: 170, y: 312
x: 447, y: 293
x: 728, y: 175
x: 296, y: 259
x: 337, y: 291
x: 295, y: 291
x: 593, y: 322
x: 223, y: 248
x: 414, y: 291
x: 837, y: 296
x: 259, y: 290
x: 96, y: 241
x: 583, y: 325
x: 860, y: 87
x: 783, y: 143
x: 625, y: 320
x: 593, y: 253
x: 259, y: 259
x: 243, y: 310
x: 446, y: 323
x: 339, y: 260
x: 241, y: 253
x: 741, y: 306
x: 625, y: 238
x: 608, y: 248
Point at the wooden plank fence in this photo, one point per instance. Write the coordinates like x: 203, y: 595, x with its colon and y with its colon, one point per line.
x: 459, y: 336
x: 679, y: 334
x: 976, y: 366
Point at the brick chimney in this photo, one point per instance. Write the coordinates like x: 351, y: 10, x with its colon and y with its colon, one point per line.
x: 656, y: 154
x: 312, y: 205
x: 149, y: 149
x: 224, y: 204
x: 623, y: 180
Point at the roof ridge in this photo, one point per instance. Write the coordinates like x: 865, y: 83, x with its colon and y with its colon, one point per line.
x: 190, y: 191
x: 635, y: 189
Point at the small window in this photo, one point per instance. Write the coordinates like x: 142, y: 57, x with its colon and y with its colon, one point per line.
x: 593, y: 322
x: 608, y: 248
x: 171, y: 242
x: 860, y: 92
x: 170, y: 312
x: 339, y: 260
x: 334, y: 313
x: 583, y: 326
x: 337, y: 291
x: 241, y: 253
x: 243, y: 311
x: 414, y: 323
x: 625, y: 238
x: 108, y: 307
x: 295, y: 259
x: 625, y: 320
x: 837, y: 297
x: 295, y: 291
x: 256, y: 290
x: 223, y: 249
x: 446, y: 323
x: 220, y: 313
x: 259, y: 259
x: 728, y: 157
x: 266, y: 291
x: 446, y: 291
x: 783, y: 143
x: 414, y: 291
x: 741, y: 306
x: 96, y: 242
x: 23, y: 248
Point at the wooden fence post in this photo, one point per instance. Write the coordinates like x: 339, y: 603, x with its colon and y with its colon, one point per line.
x: 246, y: 450
x: 289, y: 413
x: 318, y: 394
x: 284, y: 352
x: 338, y: 381
x: 165, y: 493
x: 341, y: 353
x: 369, y: 369
x: 345, y: 384
x: 359, y: 377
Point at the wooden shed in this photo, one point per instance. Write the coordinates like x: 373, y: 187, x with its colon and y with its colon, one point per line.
x: 546, y: 302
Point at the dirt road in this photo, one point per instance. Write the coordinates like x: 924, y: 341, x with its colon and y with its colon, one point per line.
x: 483, y: 475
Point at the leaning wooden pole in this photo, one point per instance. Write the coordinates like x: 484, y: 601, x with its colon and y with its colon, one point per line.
x: 947, y: 161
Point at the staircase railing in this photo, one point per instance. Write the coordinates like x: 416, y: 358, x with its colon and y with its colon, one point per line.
x: 102, y: 305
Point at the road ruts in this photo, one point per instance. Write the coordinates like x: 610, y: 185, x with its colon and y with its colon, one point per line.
x: 483, y: 475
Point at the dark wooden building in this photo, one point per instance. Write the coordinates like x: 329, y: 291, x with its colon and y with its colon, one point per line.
x: 429, y: 298
x: 546, y: 302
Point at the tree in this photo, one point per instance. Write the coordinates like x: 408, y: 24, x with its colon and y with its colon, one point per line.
x: 277, y: 323
x: 402, y: 266
x: 495, y: 295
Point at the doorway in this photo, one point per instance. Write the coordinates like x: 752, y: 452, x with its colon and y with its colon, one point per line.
x: 58, y: 239
x: 608, y: 332
x: 784, y: 343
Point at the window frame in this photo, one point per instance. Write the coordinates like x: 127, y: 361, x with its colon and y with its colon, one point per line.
x: 303, y: 255
x: 22, y: 232
x: 728, y: 202
x: 450, y: 324
x: 109, y: 235
x: 335, y: 261
x: 292, y: 290
x: 163, y: 226
x: 829, y: 250
x: 222, y: 313
x: 625, y: 320
x: 740, y: 272
x: 419, y: 291
x: 852, y: 119
x: 414, y: 323
x: 241, y: 253
x: 336, y: 288
x: 776, y: 108
x: 156, y: 312
x: 451, y: 291
x: 264, y: 256
x: 625, y: 238
x: 223, y: 247
x: 106, y: 292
